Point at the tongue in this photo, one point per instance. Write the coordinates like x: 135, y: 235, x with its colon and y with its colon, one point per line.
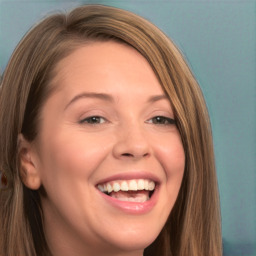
x: 132, y: 196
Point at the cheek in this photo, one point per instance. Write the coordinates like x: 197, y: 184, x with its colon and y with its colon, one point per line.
x: 172, y: 157
x: 71, y: 156
x: 69, y: 163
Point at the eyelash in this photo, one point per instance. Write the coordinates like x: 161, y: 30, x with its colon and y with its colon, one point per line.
x: 158, y: 120
x: 162, y: 120
x: 93, y: 120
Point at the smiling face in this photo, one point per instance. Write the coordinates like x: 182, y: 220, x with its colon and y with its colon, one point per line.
x: 107, y: 131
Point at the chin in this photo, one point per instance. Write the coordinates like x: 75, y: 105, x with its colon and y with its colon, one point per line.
x: 136, y: 240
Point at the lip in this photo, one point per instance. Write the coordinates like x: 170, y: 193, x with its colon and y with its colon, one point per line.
x: 133, y: 207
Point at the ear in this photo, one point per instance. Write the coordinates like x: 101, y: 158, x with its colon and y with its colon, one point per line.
x: 29, y: 172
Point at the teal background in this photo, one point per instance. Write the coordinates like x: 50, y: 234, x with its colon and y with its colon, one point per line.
x: 218, y: 39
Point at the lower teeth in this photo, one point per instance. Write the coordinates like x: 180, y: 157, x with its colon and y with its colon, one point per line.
x: 132, y: 199
x: 131, y: 196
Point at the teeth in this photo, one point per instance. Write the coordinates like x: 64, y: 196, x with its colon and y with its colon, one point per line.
x: 151, y: 185
x: 116, y: 187
x: 140, y: 199
x: 109, y: 188
x: 101, y: 188
x: 146, y: 184
x: 124, y: 186
x: 140, y: 184
x: 131, y: 185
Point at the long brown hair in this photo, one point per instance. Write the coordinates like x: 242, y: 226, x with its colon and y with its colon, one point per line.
x: 193, y: 227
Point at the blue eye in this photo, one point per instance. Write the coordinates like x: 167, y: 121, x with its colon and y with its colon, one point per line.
x: 161, y: 120
x: 92, y: 120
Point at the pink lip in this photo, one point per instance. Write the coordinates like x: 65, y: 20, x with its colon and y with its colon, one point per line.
x: 133, y: 207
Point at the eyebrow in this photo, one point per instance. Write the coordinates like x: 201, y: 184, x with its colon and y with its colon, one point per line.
x: 107, y: 97
x: 157, y: 98
x: 101, y: 96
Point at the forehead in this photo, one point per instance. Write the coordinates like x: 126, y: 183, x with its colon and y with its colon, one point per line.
x: 103, y: 62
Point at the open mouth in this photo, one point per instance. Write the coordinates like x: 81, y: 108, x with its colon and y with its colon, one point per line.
x: 136, y: 190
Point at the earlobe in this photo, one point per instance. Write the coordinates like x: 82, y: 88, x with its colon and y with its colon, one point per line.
x: 28, y: 168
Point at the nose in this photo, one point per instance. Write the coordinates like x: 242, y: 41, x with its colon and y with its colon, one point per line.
x: 131, y: 143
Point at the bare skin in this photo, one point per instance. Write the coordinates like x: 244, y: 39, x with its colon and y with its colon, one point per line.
x: 109, y: 119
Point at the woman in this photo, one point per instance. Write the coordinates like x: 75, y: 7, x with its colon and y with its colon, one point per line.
x: 105, y: 143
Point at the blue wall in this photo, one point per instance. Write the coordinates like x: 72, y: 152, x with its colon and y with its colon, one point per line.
x: 218, y: 39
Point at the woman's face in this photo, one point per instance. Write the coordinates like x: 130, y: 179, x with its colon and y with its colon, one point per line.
x: 108, y: 153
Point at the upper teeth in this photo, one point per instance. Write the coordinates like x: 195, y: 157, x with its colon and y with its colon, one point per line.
x: 133, y: 185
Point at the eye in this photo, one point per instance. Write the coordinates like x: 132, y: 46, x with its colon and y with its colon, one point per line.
x: 93, y: 120
x: 161, y: 120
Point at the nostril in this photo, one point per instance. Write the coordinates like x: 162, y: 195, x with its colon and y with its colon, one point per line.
x: 127, y: 154
x: 133, y: 155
